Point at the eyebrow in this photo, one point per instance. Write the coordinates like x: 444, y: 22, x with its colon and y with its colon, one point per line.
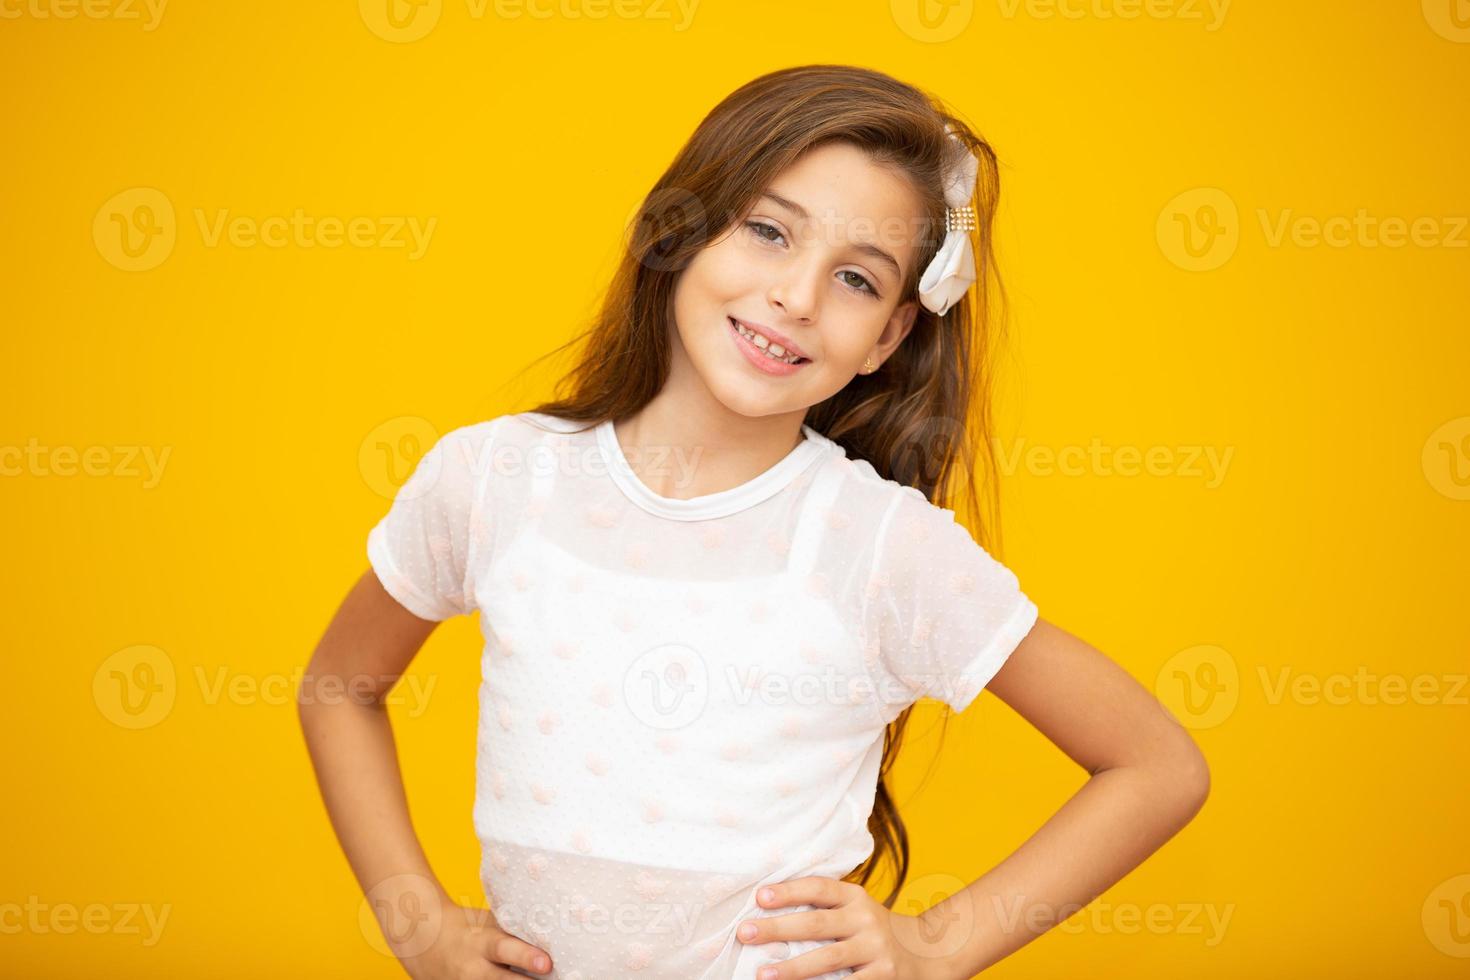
x: 864, y: 247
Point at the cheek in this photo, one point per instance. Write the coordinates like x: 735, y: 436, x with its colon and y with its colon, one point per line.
x: 725, y: 269
x: 844, y: 350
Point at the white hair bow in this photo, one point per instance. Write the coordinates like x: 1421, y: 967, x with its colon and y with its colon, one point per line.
x: 949, y: 275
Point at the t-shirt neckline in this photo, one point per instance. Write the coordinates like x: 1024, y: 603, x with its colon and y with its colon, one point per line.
x: 761, y: 487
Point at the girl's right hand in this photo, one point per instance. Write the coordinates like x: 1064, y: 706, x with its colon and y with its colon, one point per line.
x: 471, y: 946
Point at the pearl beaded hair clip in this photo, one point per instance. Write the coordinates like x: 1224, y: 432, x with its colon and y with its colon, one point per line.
x: 949, y: 275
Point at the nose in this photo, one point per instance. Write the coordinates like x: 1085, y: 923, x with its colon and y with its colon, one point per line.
x: 796, y: 291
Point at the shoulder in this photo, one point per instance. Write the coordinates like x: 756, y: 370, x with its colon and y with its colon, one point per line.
x: 911, y: 535
x: 885, y: 499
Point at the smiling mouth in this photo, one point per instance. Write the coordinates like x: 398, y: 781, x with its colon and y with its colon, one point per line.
x: 764, y: 346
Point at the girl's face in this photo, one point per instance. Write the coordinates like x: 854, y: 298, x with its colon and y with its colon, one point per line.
x: 815, y: 267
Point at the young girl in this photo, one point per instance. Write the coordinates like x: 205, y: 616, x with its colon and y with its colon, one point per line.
x: 712, y: 583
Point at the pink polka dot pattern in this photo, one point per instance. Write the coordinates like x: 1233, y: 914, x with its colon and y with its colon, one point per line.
x: 816, y: 584
x: 640, y: 955
x: 734, y: 749
x: 599, y: 515
x: 672, y: 706
x: 649, y: 886
x: 812, y: 654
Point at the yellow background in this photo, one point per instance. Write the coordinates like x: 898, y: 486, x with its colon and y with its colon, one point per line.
x: 1332, y: 546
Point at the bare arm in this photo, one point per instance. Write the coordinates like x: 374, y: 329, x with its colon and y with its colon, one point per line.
x: 368, y: 644
x: 1148, y: 779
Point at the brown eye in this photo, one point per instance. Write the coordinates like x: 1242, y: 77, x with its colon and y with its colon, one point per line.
x: 862, y: 284
x: 760, y: 227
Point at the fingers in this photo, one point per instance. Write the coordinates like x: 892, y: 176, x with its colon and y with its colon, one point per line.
x: 811, y: 890
x: 820, y: 962
x: 816, y: 924
x: 502, y: 947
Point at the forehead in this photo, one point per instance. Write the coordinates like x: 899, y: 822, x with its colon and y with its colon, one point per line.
x: 851, y: 199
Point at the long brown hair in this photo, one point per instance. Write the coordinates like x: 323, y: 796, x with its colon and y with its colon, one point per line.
x: 924, y: 418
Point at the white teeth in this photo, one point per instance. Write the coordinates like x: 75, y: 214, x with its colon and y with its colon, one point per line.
x: 772, y: 350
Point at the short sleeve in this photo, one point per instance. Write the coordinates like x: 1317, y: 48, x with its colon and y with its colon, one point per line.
x: 946, y: 615
x: 421, y: 549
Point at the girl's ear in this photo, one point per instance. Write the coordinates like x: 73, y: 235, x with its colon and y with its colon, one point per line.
x: 898, y: 326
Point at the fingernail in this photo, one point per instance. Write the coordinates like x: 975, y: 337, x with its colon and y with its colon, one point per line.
x: 541, y: 963
x: 767, y: 894
x: 747, y: 931
x: 768, y: 973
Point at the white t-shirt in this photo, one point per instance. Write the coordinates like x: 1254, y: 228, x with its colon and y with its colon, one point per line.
x: 682, y: 699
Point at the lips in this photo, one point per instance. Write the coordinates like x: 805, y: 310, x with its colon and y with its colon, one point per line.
x: 776, y: 338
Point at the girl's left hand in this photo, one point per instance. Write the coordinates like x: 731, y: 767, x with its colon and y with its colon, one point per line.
x: 870, y: 938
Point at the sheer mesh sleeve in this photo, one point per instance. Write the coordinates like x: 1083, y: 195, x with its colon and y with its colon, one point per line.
x: 945, y: 614
x: 420, y: 549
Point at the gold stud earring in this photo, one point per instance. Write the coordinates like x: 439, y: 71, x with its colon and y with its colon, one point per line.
x: 868, y: 366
